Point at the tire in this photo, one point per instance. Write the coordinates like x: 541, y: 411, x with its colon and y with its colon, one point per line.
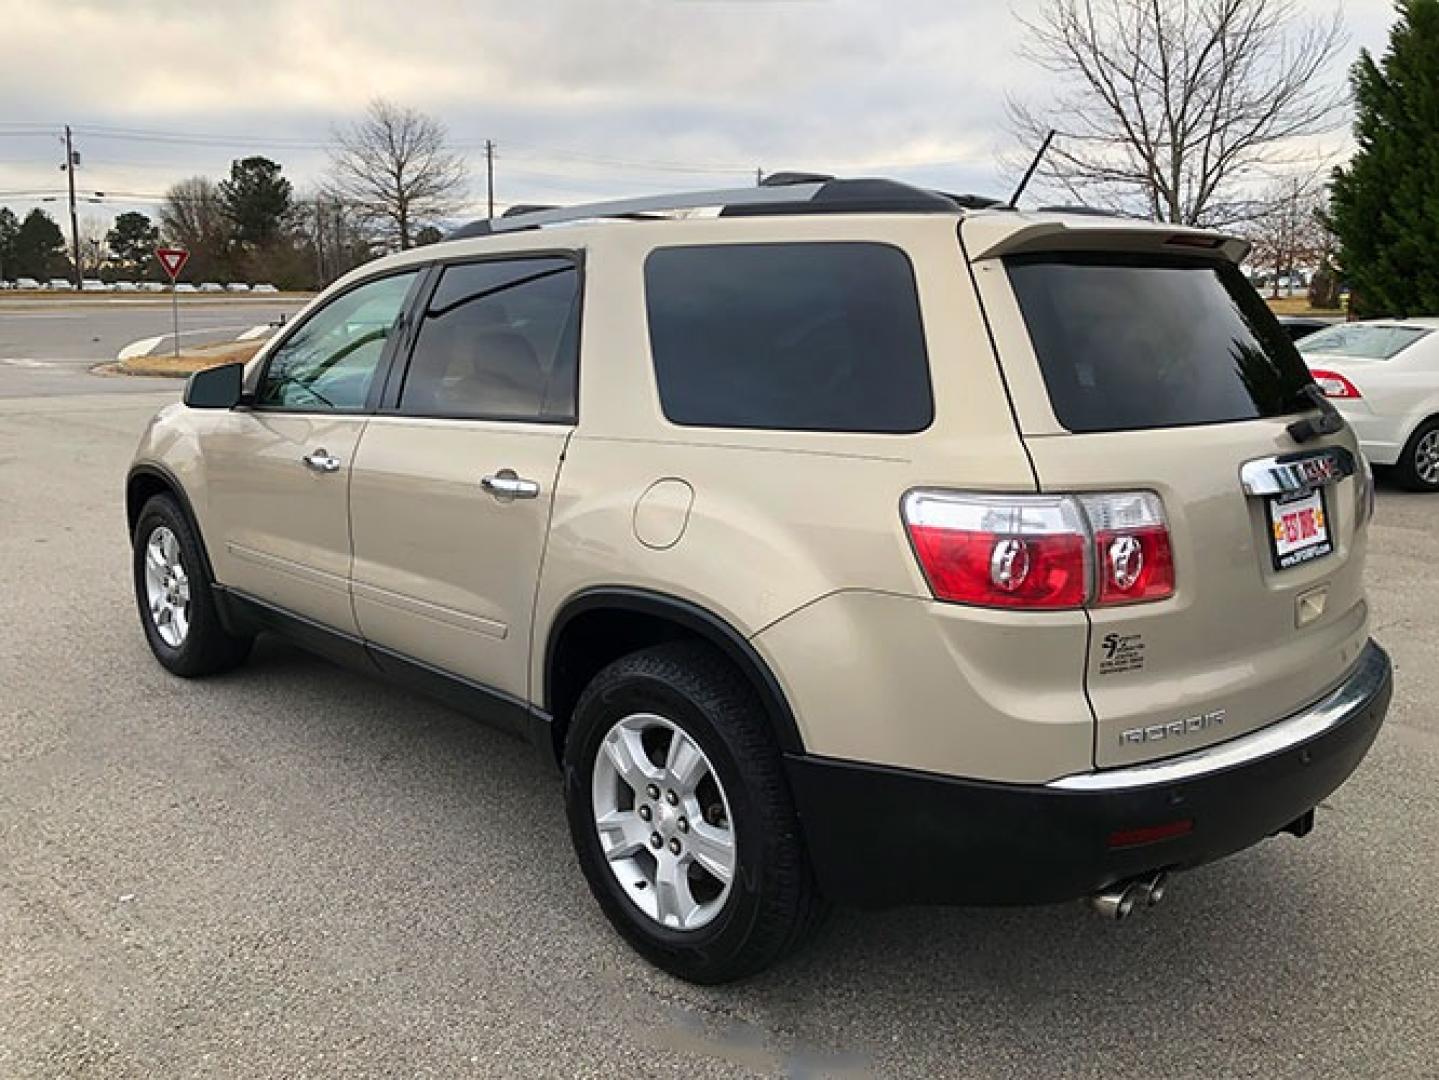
x: 168, y: 560
x: 1418, y: 466
x: 771, y: 903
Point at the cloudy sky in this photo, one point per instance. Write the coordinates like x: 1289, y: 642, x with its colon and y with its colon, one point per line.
x: 582, y: 97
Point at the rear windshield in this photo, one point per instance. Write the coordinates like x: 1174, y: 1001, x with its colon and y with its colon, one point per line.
x: 1127, y: 343
x: 1363, y: 342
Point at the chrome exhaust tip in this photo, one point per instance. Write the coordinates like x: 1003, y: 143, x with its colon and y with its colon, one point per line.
x: 1119, y: 901
x: 1151, y: 889
x: 1115, y: 903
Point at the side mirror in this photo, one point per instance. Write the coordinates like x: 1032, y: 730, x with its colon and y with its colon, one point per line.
x: 216, y: 387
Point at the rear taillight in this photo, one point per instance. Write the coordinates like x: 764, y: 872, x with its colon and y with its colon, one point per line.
x: 1131, y: 539
x: 1335, y: 385
x: 1042, y: 552
x: 1025, y: 551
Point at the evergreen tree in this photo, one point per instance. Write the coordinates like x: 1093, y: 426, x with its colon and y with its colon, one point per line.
x: 132, y: 241
x: 9, y: 231
x: 40, y: 247
x: 257, y: 201
x: 1385, y: 202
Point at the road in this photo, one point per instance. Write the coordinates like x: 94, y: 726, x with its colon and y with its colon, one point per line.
x: 296, y: 870
x: 48, y: 346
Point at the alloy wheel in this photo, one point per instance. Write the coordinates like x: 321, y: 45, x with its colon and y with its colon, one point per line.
x: 1426, y: 458
x: 167, y: 587
x: 664, y: 822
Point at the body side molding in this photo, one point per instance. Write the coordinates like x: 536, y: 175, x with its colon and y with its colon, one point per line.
x: 245, y: 613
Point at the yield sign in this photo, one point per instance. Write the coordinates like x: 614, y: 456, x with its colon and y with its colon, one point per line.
x: 173, y: 260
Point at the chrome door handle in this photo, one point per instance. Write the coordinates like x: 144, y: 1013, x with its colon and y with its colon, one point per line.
x: 505, y: 484
x: 321, y: 461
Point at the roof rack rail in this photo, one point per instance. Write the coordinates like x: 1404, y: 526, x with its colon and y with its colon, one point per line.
x: 785, y: 179
x: 792, y: 193
x: 1080, y: 210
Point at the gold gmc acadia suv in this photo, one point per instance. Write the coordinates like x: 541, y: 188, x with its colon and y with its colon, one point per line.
x: 841, y: 541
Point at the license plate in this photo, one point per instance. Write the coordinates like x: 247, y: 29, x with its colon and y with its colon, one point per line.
x: 1298, y: 528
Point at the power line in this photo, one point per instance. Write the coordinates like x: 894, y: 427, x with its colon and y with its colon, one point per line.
x: 186, y: 138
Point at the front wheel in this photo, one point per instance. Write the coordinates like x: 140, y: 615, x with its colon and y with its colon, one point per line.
x: 173, y: 592
x: 1419, y: 463
x: 681, y: 817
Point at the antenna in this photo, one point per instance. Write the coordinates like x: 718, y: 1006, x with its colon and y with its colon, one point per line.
x: 1029, y: 172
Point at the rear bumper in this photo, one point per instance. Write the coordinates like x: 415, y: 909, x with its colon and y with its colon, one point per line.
x: 880, y: 837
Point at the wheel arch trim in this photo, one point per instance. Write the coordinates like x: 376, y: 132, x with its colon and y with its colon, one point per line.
x: 692, y: 617
x: 172, y: 484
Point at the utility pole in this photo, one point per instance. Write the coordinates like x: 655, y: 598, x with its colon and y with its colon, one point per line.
x: 490, y: 174
x: 320, y: 241
x: 71, y: 158
x: 759, y: 178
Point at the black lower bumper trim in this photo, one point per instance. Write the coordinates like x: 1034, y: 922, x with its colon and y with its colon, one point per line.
x: 881, y: 837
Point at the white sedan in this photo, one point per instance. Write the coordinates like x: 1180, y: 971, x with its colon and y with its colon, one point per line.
x: 1383, y: 375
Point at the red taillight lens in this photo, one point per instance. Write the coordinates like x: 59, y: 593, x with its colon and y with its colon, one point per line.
x: 1021, y: 551
x: 1134, y: 565
x: 1132, y: 551
x: 1037, y: 551
x: 1335, y: 385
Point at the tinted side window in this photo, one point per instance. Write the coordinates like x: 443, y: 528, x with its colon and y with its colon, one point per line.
x: 806, y: 336
x: 499, y: 340
x: 330, y: 361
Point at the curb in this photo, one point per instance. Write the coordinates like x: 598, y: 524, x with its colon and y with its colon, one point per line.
x: 146, y: 346
x: 143, y: 347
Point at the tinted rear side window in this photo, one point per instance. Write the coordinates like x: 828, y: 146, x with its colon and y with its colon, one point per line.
x: 803, y: 337
x: 1126, y: 343
x: 498, y: 340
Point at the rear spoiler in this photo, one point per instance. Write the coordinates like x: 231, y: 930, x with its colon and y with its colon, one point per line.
x: 989, y: 237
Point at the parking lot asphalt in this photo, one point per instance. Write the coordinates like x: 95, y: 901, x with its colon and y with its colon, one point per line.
x: 294, y: 870
x: 48, y: 346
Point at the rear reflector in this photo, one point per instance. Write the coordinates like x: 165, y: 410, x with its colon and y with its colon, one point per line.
x: 1151, y: 834
x: 1042, y: 552
x: 1335, y: 385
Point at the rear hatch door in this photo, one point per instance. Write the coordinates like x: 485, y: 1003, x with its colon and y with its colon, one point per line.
x: 1143, y: 366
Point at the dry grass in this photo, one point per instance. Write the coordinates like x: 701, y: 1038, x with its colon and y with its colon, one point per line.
x: 1298, y: 305
x: 190, y: 360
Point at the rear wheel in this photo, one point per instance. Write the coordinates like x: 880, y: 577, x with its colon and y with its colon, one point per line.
x: 1419, y: 463
x: 174, y: 595
x: 681, y: 817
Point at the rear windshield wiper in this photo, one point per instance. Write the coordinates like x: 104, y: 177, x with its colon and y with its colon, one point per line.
x: 1328, y: 422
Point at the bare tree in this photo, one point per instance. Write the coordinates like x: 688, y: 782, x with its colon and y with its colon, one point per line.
x: 395, y: 164
x: 1290, y: 233
x: 193, y: 217
x: 93, y: 248
x: 1174, y: 108
x: 340, y: 234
